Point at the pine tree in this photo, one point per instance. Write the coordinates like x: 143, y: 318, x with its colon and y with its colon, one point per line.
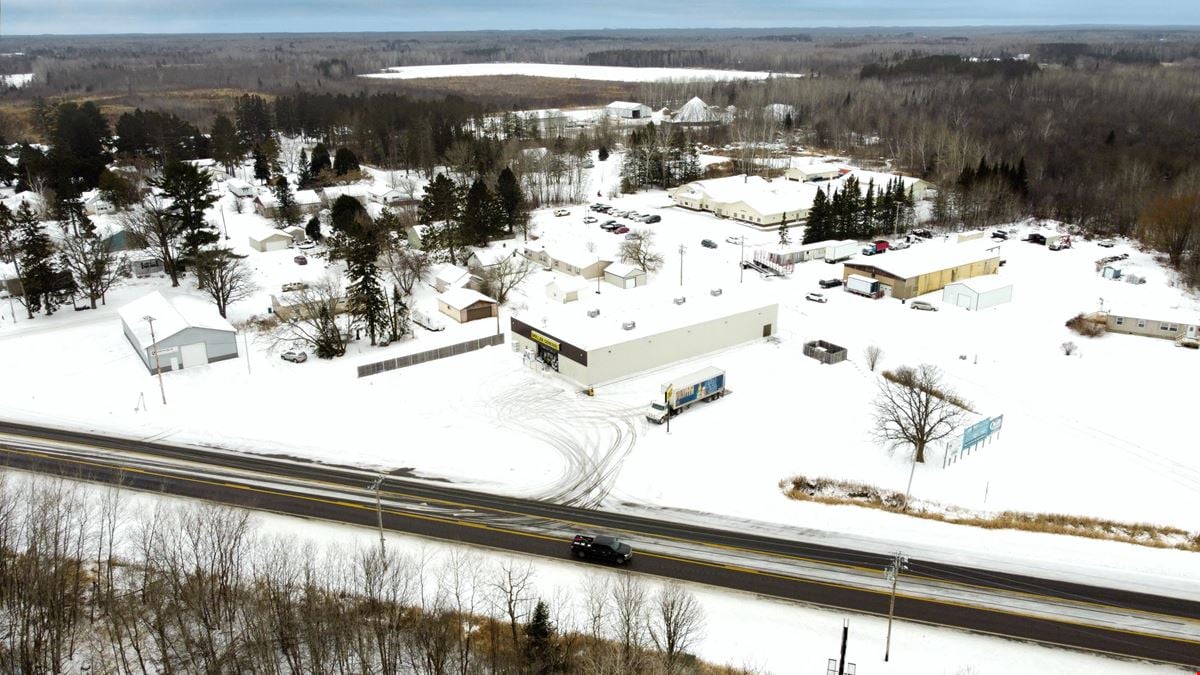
x: 784, y: 238
x: 226, y: 146
x: 319, y: 161
x: 398, y: 314
x: 190, y: 192
x: 304, y: 177
x: 602, y: 153
x: 262, y: 168
x: 365, y: 298
x: 287, y: 212
x: 344, y: 161
x: 817, y: 228
x: 480, y: 215
x: 540, y: 647
x: 512, y: 201
x: 313, y: 229
x: 39, y: 274
x: 868, y: 218
x: 439, y: 212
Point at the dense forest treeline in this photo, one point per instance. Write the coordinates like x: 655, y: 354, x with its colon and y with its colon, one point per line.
x: 94, y: 578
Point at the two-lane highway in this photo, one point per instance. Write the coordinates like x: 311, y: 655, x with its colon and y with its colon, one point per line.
x: 1111, y: 621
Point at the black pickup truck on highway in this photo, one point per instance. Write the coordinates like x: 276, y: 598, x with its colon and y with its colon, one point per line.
x: 601, y: 547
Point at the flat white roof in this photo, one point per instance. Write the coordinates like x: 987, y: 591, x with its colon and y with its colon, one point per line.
x: 462, y: 298
x: 651, y: 308
x: 267, y: 233
x: 985, y: 283
x: 926, y: 258
x: 450, y: 274
x: 172, y: 314
x: 1181, y: 315
x: 623, y: 270
x: 567, y: 284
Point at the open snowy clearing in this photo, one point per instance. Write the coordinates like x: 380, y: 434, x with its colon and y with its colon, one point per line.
x: 1085, y: 434
x: 572, y: 72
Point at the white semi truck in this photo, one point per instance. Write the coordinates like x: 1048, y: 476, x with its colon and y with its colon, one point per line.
x: 702, y: 385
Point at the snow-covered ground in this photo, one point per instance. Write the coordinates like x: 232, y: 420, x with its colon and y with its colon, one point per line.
x: 573, y: 72
x: 1096, y: 433
x: 17, y: 80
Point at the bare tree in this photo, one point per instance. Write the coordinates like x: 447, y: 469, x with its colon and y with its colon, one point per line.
x: 676, y: 624
x: 914, y: 408
x: 404, y: 265
x: 511, y: 593
x: 639, y: 251
x: 872, y: 354
x: 153, y: 223
x: 311, y: 318
x: 500, y: 279
x: 629, y: 598
x: 1068, y: 348
x: 224, y: 276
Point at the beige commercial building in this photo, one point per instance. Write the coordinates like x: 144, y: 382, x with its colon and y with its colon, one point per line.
x: 598, y: 339
x: 924, y: 269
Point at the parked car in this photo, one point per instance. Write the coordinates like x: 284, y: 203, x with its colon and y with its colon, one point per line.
x: 598, y: 206
x: 1106, y: 243
x: 588, y: 220
x: 816, y: 297
x: 601, y: 547
x: 999, y: 234
x: 294, y: 286
x: 733, y: 240
x: 708, y: 243
x: 294, y: 355
x: 830, y: 283
x: 609, y: 225
x: 652, y: 218
x: 426, y: 321
x: 300, y: 260
x: 924, y: 234
x: 921, y: 304
x: 633, y: 236
x: 900, y: 245
x: 621, y: 230
x: 307, y: 244
x: 559, y: 213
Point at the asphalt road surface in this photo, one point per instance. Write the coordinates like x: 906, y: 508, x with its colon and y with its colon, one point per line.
x: 1094, y: 618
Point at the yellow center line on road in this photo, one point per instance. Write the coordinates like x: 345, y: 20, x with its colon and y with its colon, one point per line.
x: 483, y: 526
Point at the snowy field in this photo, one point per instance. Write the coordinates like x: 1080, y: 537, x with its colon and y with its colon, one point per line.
x: 572, y: 72
x: 743, y: 630
x: 16, y: 80
x: 1096, y: 433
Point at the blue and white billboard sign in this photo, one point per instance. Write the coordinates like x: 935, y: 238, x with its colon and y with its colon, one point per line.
x: 997, y: 422
x: 976, y: 432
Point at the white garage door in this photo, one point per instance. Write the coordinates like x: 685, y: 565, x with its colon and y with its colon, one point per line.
x: 194, y: 355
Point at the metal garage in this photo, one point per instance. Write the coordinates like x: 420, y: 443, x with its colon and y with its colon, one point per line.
x: 172, y: 332
x: 978, y: 293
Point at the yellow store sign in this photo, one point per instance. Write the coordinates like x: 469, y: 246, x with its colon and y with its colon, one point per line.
x: 538, y: 337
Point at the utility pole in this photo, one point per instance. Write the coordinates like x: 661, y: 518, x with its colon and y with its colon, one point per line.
x: 682, y: 250
x: 742, y: 264
x: 845, y: 638
x: 908, y: 490
x: 379, y: 512
x: 246, y: 344
x: 157, y: 365
x: 899, y: 564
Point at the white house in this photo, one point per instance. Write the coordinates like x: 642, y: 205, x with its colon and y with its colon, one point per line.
x: 357, y: 191
x: 97, y: 205
x: 239, y: 188
x: 451, y: 277
x: 627, y: 110
x: 483, y: 258
x: 566, y: 289
x: 388, y: 196
x: 265, y: 239
x: 978, y: 293
x: 171, y: 332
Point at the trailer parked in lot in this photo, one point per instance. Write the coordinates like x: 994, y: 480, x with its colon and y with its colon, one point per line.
x: 840, y: 250
x: 702, y: 385
x: 863, y: 286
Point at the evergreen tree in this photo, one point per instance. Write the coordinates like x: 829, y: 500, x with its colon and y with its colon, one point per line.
x: 344, y: 161
x: 226, y: 146
x: 602, y: 153
x: 313, y: 229
x: 319, y: 161
x: 365, y: 298
x: 32, y: 168
x: 818, y: 228
x: 784, y: 238
x: 439, y: 211
x: 481, y: 214
x: 305, y: 176
x: 868, y: 218
x: 348, y: 217
x: 39, y: 274
x: 253, y: 120
x: 190, y: 191
x: 540, y: 644
x: 398, y: 314
x: 287, y: 212
x: 512, y: 202
x: 262, y: 168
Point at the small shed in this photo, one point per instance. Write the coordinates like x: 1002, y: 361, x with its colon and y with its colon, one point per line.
x: 239, y: 188
x: 97, y: 205
x: 825, y: 352
x: 978, y: 293
x: 142, y: 266
x: 624, y: 275
x: 451, y: 277
x: 187, y: 332
x: 296, y: 232
x: 815, y: 171
x: 627, y: 110
x: 464, y: 304
x: 269, y: 240
x: 566, y: 289
x: 388, y: 196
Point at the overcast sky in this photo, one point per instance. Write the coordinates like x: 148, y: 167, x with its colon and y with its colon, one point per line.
x: 25, y: 17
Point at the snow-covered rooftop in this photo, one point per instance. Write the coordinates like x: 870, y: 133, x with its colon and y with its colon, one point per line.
x: 172, y: 314
x: 623, y: 270
x: 462, y: 298
x: 922, y: 259
x: 652, y: 309
x: 985, y: 283
x: 695, y: 111
x: 764, y: 196
x: 302, y: 197
x: 264, y: 233
x: 626, y: 105
x: 567, y: 284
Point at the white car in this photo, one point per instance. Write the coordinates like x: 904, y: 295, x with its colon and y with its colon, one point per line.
x: 816, y: 297
x: 294, y: 355
x: 1106, y: 243
x: 900, y: 245
x: 306, y: 245
x: 588, y: 220
x: 733, y: 240
x: 562, y: 212
x: 427, y: 321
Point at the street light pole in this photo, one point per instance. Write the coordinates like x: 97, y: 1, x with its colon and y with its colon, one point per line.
x: 899, y: 564
x: 379, y: 512
x: 157, y: 364
x: 742, y: 264
x: 682, y: 250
